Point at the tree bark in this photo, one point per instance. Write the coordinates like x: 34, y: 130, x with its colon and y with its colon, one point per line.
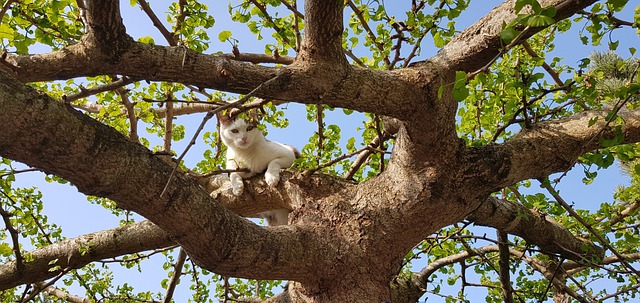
x: 75, y: 253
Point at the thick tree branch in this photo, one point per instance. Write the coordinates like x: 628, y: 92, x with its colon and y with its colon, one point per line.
x: 141, y: 236
x: 77, y: 252
x: 535, y: 228
x: 480, y: 43
x: 555, y: 145
x: 389, y: 93
x: 105, y: 28
x: 574, y: 267
x: 504, y: 267
x: 61, y: 294
x: 322, y: 39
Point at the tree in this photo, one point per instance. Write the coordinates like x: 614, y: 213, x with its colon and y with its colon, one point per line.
x: 469, y: 128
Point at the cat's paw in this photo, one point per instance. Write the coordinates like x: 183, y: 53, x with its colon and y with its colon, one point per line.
x: 272, y: 179
x: 237, y: 187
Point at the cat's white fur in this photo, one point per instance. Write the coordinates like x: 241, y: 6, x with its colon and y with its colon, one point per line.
x: 248, y: 148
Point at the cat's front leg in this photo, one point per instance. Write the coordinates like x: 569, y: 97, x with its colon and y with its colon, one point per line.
x: 272, y: 175
x: 237, y: 186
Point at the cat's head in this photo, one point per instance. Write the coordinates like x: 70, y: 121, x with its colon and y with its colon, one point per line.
x: 238, y: 133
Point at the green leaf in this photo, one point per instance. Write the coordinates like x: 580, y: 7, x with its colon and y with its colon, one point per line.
x: 147, y: 40
x: 437, y: 40
x: 460, y: 90
x: 5, y: 249
x: 6, y: 32
x: 224, y: 36
x: 613, y: 45
x: 508, y: 34
x: 589, y: 177
x: 539, y: 21
x: 617, y: 5
x: 584, y: 40
x: 440, y: 91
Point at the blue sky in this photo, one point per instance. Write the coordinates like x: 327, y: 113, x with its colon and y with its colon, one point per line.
x: 66, y: 207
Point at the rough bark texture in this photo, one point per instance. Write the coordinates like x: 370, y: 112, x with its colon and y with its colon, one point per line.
x: 534, y: 227
x: 77, y: 252
x: 346, y: 242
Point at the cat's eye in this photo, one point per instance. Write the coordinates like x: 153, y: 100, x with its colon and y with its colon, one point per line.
x: 235, y: 131
x: 249, y: 128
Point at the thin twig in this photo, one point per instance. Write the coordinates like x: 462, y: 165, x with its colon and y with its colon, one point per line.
x: 514, y: 118
x: 353, y: 57
x: 41, y: 286
x: 175, y: 278
x: 131, y: 114
x: 45, y: 30
x: 375, y: 143
x: 6, y: 216
x: 86, y: 92
x: 625, y: 213
x: 182, y: 14
x: 620, y: 292
x: 5, y: 8
x: 338, y: 159
x: 157, y: 23
x: 423, y: 33
x: 83, y: 11
x: 320, y: 132
x: 370, y: 32
x: 14, y: 172
x: 264, y: 11
x: 296, y: 28
x: 138, y: 257
x: 293, y: 8
x: 503, y: 264
x: 546, y: 66
x: 380, y: 134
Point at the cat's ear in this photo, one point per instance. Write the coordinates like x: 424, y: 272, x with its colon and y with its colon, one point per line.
x: 224, y: 119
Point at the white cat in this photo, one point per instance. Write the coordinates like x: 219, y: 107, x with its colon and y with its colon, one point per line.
x: 247, y: 148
